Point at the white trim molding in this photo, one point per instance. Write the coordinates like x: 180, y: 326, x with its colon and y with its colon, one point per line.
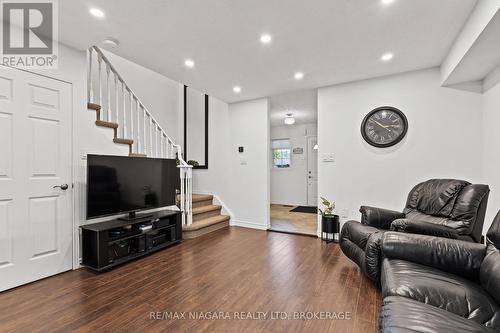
x: 250, y: 225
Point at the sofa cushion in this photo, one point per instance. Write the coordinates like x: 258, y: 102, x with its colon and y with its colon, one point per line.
x: 436, y: 196
x: 490, y: 268
x: 353, y: 239
x: 400, y: 314
x: 435, y: 287
x: 468, y: 202
x: 357, y: 233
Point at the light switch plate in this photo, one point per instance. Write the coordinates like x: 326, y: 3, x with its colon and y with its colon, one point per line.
x: 328, y: 157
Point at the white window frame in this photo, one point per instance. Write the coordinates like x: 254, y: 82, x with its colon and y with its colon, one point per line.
x: 281, y: 145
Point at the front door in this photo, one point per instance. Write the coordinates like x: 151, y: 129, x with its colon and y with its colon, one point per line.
x: 35, y: 157
x: 312, y: 171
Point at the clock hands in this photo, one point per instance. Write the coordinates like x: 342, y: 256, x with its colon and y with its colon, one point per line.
x: 385, y: 127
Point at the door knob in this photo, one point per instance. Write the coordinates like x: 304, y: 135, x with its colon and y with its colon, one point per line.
x: 63, y: 187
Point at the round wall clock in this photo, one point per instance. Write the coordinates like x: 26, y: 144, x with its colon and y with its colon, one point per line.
x: 384, y: 127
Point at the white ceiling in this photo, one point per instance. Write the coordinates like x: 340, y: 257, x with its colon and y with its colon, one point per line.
x: 303, y: 105
x: 331, y: 41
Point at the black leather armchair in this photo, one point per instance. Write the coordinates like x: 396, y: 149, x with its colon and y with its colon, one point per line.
x: 432, y: 284
x: 446, y: 208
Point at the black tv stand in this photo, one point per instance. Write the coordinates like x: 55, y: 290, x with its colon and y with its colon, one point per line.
x: 132, y: 216
x: 111, y: 243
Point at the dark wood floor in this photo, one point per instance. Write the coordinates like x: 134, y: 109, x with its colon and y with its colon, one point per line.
x: 228, y: 270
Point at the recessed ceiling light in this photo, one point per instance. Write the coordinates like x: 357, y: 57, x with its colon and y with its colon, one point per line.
x: 387, y: 2
x: 298, y: 76
x: 111, y: 42
x: 265, y: 39
x: 189, y: 63
x: 237, y: 89
x: 387, y: 57
x: 97, y: 12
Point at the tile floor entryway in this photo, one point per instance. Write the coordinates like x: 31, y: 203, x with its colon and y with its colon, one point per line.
x: 283, y: 220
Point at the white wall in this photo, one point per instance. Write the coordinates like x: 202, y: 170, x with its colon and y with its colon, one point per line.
x: 491, y: 157
x: 159, y: 94
x: 443, y: 140
x: 248, y: 173
x: 289, y: 186
x: 215, y: 179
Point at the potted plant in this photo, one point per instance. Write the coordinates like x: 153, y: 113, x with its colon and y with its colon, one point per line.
x: 329, y: 220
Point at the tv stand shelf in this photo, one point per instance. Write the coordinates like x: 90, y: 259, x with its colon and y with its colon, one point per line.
x: 111, y: 243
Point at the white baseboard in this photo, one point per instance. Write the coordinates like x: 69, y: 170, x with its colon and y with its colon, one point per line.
x: 250, y: 225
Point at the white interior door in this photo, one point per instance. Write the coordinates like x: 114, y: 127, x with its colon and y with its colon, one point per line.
x: 312, y: 171
x: 35, y: 155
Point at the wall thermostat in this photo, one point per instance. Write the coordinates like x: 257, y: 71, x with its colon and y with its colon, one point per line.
x: 240, y: 149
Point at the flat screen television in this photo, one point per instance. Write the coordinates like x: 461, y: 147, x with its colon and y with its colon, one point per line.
x: 122, y: 184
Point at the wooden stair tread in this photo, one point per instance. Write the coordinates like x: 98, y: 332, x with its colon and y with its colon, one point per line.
x: 205, y: 209
x: 93, y: 106
x: 202, y: 197
x: 123, y: 141
x: 137, y: 155
x: 107, y: 124
x: 209, y: 221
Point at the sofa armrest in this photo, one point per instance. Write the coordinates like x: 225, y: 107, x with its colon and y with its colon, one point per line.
x: 379, y: 217
x: 450, y: 255
x: 424, y: 228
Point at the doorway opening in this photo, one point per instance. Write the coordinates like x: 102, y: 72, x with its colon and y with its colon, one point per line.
x: 294, y: 163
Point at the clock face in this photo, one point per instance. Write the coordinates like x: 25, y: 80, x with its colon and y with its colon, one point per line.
x: 384, y: 127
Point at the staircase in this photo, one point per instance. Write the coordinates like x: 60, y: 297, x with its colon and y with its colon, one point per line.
x: 206, y: 217
x: 118, y: 108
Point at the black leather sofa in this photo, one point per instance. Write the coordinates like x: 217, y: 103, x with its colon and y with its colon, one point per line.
x: 447, y: 208
x: 433, y: 284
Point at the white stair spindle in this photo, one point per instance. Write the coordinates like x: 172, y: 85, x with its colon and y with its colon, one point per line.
x: 90, y: 93
x: 162, y: 145
x: 138, y: 125
x: 117, y: 120
x: 125, y: 133
x: 131, y: 116
x: 151, y: 135
x: 183, y: 195
x: 156, y: 142
x: 144, y: 130
x: 108, y: 89
x: 99, y: 81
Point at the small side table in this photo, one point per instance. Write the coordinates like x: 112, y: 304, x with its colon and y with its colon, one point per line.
x: 330, y: 228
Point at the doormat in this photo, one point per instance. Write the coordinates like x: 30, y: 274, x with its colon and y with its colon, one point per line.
x: 305, y: 209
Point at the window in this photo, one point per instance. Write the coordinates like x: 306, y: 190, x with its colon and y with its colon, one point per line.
x: 281, y: 153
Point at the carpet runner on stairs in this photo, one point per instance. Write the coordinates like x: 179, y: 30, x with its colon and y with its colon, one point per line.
x: 207, y: 217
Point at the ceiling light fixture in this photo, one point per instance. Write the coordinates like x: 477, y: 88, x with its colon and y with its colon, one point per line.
x: 97, y: 12
x: 387, y: 2
x: 189, y: 63
x: 237, y: 89
x: 265, y: 39
x: 289, y: 120
x: 111, y: 42
x: 298, y: 76
x: 387, y: 57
